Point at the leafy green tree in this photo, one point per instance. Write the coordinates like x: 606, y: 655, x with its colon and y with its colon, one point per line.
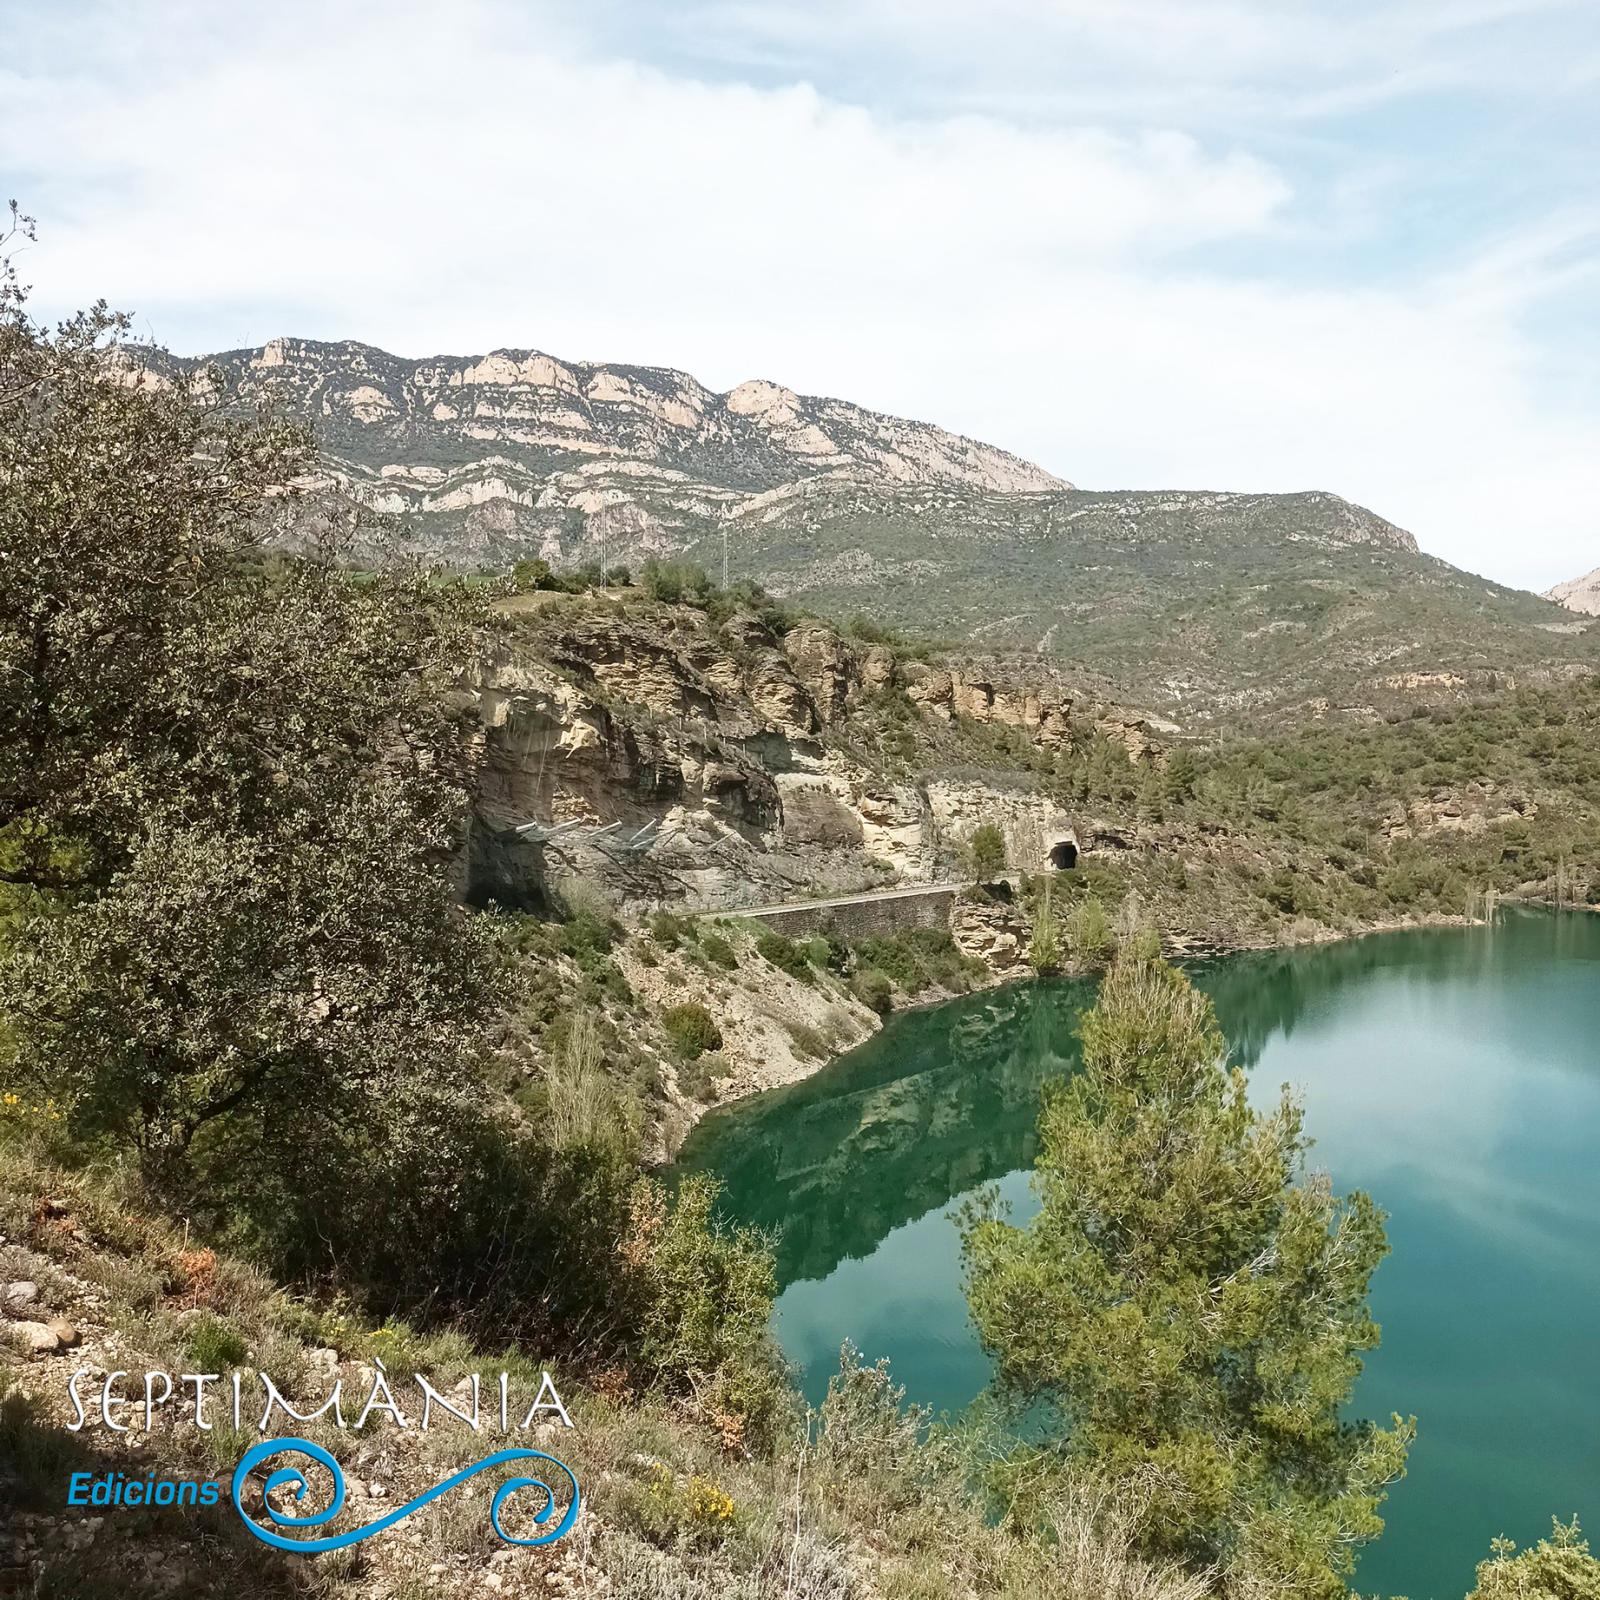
x: 232, y: 780
x: 233, y: 788
x: 1180, y: 775
x: 986, y: 850
x: 532, y: 572
x: 129, y: 501
x: 269, y: 982
x: 675, y: 581
x: 1186, y: 1314
x: 1089, y: 935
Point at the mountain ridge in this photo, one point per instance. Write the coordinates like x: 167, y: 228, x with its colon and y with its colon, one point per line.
x: 1194, y: 602
x: 1197, y: 603
x: 518, y: 452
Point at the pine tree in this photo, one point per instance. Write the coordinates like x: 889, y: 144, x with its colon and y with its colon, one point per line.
x: 1185, y: 1316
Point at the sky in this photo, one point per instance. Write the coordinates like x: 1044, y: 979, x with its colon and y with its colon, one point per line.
x: 1228, y: 244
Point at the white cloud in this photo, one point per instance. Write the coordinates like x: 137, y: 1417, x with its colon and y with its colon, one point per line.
x: 1293, y: 59
x: 432, y: 180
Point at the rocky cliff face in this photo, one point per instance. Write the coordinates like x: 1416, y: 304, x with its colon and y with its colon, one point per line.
x: 520, y: 453
x: 754, y: 758
x: 1579, y: 594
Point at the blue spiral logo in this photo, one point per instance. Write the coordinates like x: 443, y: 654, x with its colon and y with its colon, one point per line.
x: 294, y: 1480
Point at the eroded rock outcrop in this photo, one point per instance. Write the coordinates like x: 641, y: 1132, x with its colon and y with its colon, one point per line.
x: 992, y: 931
x: 1043, y: 712
x: 1471, y: 808
x: 1579, y: 594
x: 733, y: 749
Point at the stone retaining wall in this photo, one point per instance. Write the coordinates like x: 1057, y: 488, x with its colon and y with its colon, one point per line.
x: 865, y: 917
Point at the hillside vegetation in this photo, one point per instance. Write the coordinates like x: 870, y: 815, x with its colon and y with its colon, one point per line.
x: 1202, y: 606
x: 1331, y: 829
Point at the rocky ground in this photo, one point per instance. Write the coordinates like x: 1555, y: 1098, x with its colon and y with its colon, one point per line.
x: 673, y: 1508
x: 91, y: 1288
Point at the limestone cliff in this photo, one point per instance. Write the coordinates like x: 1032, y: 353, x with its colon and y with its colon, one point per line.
x: 517, y: 452
x: 765, y: 766
x: 1579, y: 594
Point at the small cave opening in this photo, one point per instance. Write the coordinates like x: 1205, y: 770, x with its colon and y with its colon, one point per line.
x: 1064, y: 855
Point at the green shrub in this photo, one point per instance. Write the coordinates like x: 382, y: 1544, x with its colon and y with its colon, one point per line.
x: 697, y: 1078
x: 808, y: 1042
x: 838, y: 956
x: 707, y: 1294
x: 718, y: 951
x: 668, y: 931
x: 692, y: 1029
x: 986, y: 850
x: 215, y: 1345
x: 1089, y: 930
x: 468, y: 1218
x: 869, y: 1437
x: 917, y: 959
x: 583, y: 897
x: 1044, y: 943
x: 532, y: 573
x: 784, y: 954
x: 586, y: 937
x: 874, y: 988
x: 685, y: 1511
x: 676, y: 582
x: 1283, y: 892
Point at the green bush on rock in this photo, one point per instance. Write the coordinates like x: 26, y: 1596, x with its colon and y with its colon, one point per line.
x: 874, y: 988
x: 692, y: 1029
x: 706, y: 1298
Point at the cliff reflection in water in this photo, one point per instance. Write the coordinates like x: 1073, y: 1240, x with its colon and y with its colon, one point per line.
x: 940, y: 1100
x: 947, y: 1098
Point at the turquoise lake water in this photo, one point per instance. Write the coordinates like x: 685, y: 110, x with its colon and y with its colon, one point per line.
x: 1452, y: 1073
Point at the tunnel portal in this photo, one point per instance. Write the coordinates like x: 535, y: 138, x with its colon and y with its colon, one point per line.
x: 1064, y: 855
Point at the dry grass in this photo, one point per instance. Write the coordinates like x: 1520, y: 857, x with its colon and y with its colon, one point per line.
x: 863, y: 1508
